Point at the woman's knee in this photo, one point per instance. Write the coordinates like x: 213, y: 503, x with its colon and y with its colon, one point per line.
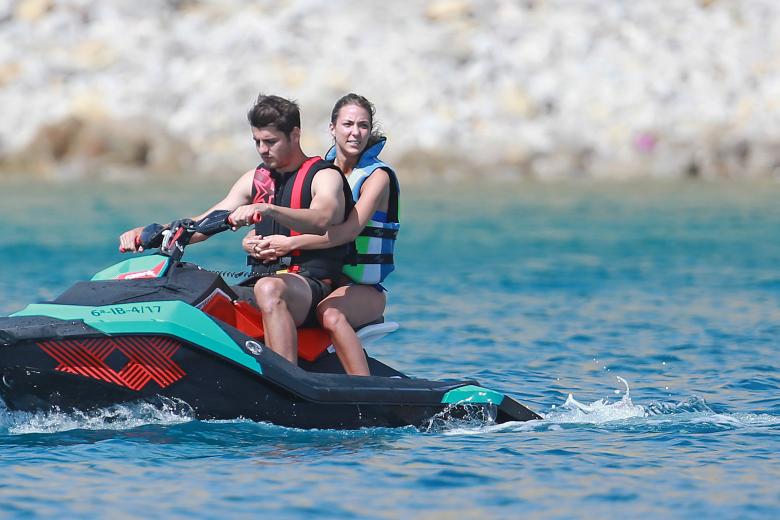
x: 331, y: 318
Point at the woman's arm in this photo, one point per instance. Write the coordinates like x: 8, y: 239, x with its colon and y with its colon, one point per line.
x: 373, y: 195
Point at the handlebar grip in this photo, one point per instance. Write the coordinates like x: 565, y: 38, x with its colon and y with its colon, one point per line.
x: 215, y: 222
x: 257, y: 217
x: 150, y: 237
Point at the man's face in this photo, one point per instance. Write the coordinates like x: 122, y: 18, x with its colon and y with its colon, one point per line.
x: 275, y: 148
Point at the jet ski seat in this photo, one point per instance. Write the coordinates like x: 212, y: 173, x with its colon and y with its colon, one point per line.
x: 312, y: 341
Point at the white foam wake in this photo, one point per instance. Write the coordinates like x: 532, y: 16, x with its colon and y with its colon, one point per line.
x: 117, y: 417
x: 597, y: 412
x: 692, y: 412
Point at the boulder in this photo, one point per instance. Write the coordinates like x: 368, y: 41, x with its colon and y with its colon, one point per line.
x: 102, y: 147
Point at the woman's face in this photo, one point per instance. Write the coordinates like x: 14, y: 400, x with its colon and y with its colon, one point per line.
x: 351, y: 130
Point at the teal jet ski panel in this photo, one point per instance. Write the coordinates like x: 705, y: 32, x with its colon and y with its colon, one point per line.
x: 172, y: 318
x: 150, y: 266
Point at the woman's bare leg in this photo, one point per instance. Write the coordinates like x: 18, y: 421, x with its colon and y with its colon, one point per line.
x: 345, y: 308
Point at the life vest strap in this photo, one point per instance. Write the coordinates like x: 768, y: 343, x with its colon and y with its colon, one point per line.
x: 377, y: 232
x: 297, y: 192
x: 373, y: 259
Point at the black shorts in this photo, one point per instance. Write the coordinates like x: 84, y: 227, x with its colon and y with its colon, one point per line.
x: 319, y: 291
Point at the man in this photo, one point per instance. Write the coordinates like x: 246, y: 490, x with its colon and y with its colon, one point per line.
x: 289, y: 193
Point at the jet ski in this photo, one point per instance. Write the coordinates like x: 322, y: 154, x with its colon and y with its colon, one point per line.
x: 157, y: 329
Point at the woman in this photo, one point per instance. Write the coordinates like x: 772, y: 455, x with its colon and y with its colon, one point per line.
x: 372, y: 224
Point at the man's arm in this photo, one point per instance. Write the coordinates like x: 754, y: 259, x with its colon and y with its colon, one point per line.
x: 374, y: 195
x: 374, y: 192
x: 239, y: 194
x: 325, y: 210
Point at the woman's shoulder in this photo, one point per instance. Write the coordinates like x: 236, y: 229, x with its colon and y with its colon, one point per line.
x: 386, y: 173
x: 379, y: 178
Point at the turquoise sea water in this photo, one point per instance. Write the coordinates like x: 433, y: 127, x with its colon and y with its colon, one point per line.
x: 563, y: 295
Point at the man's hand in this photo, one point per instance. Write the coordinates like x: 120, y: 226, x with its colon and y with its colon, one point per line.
x: 248, y: 214
x: 249, y: 242
x: 129, y: 241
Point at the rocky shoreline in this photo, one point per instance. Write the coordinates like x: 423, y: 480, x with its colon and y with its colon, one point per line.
x: 542, y: 89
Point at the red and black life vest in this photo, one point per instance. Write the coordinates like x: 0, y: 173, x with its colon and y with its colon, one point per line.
x: 293, y: 190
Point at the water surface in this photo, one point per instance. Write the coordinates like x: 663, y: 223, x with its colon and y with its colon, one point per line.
x: 549, y: 292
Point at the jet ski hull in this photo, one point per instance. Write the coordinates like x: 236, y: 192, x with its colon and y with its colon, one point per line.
x: 143, y: 331
x: 68, y: 364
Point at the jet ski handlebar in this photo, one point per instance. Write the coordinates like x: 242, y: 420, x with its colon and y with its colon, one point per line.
x: 172, y: 239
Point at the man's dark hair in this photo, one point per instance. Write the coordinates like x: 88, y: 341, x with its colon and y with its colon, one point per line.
x: 275, y: 111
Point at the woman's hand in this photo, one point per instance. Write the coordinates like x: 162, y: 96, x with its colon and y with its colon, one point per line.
x: 269, y: 248
x: 280, y: 245
x: 249, y: 242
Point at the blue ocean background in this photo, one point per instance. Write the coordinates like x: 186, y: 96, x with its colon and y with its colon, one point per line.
x: 641, y: 320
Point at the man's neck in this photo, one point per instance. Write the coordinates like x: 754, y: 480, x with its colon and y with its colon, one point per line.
x: 293, y: 165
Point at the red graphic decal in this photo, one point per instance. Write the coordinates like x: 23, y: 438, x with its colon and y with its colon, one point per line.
x: 149, y: 359
x: 149, y: 273
x: 264, y: 186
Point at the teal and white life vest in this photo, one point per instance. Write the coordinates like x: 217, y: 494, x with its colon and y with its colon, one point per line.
x: 372, y: 260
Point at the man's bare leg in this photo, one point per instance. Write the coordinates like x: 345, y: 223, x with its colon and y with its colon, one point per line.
x: 284, y: 301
